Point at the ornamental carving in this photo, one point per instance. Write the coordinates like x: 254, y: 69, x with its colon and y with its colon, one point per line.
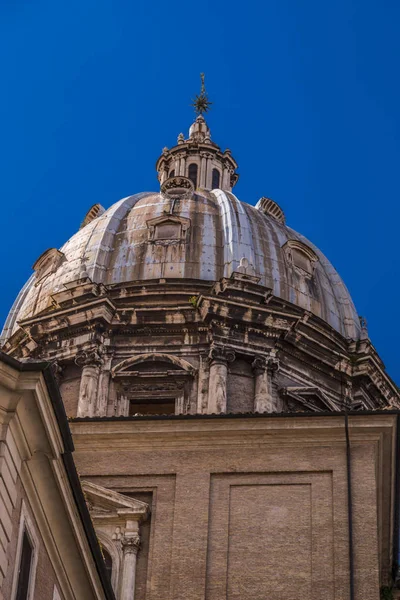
x: 259, y: 364
x: 130, y: 544
x: 265, y: 363
x: 57, y: 371
x: 221, y: 354
x: 117, y: 535
x: 86, y: 358
x: 154, y: 387
x: 177, y: 187
x: 168, y: 228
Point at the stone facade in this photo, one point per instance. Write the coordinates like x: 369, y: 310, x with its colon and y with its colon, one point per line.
x: 179, y: 325
x: 208, y: 296
x: 208, y: 348
x: 252, y: 507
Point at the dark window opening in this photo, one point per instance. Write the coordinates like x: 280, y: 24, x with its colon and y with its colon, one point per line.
x: 172, y: 173
x: 152, y: 406
x: 193, y: 174
x: 215, y: 179
x: 24, y: 568
x: 108, y: 562
x: 167, y: 231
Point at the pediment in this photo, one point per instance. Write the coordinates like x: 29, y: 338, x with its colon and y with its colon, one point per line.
x: 310, y: 399
x: 168, y: 227
x: 106, y: 503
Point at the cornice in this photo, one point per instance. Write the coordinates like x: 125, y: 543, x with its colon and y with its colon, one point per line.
x: 205, y: 432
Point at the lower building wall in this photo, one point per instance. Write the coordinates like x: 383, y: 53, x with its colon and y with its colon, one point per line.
x: 21, y: 516
x: 250, y: 508
x: 41, y: 517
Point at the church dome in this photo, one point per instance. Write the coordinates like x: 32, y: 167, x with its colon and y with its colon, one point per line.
x: 196, y: 235
x: 187, y: 300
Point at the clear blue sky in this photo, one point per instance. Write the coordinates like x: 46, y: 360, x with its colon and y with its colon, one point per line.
x: 306, y: 94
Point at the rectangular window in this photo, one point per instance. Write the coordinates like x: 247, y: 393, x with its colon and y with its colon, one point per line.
x: 24, y: 571
x: 26, y: 558
x: 152, y: 406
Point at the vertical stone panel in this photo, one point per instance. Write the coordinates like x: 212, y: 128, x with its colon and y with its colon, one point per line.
x: 365, y: 521
x: 240, y: 387
x: 270, y: 536
x: 70, y: 395
x: 217, y: 392
x: 188, y: 570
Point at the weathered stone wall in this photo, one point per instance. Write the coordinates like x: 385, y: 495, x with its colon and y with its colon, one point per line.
x: 251, y: 508
x: 240, y: 387
x: 240, y: 347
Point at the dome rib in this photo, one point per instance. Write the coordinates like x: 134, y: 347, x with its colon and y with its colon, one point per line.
x: 236, y: 231
x: 105, y: 245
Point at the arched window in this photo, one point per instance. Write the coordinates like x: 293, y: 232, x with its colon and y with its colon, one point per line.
x: 193, y: 174
x: 215, y: 179
x: 108, y: 562
x: 172, y: 173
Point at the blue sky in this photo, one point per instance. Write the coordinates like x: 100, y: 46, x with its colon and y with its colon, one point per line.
x: 306, y: 94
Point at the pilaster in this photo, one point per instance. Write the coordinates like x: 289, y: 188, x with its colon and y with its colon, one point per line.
x: 265, y: 397
x: 219, y: 358
x: 90, y: 361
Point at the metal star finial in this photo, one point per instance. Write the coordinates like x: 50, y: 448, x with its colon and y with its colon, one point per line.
x: 201, y: 103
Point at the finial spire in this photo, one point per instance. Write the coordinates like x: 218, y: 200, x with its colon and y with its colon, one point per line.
x: 201, y: 103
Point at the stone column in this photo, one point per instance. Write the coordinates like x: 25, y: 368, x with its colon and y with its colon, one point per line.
x: 209, y: 172
x: 164, y: 175
x: 130, y: 546
x: 264, y: 397
x: 90, y: 362
x: 202, y: 387
x: 103, y: 388
x: 217, y: 398
x: 226, y: 179
x: 203, y: 170
x: 182, y: 167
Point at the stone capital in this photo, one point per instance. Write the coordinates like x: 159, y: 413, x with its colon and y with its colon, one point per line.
x: 269, y: 363
x: 130, y: 543
x: 259, y: 365
x: 90, y: 358
x: 220, y: 354
x: 272, y: 364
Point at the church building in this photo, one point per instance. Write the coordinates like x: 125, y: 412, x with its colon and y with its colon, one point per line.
x: 234, y: 429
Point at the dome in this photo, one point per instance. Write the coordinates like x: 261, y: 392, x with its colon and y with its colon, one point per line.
x: 188, y: 301
x: 202, y: 235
